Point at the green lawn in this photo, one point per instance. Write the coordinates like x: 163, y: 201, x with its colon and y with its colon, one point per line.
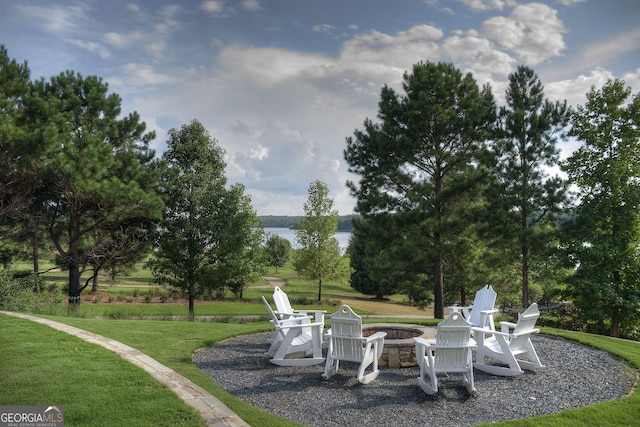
x: 41, y: 366
x: 81, y: 375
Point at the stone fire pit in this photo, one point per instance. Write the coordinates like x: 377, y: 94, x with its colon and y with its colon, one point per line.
x: 399, y: 347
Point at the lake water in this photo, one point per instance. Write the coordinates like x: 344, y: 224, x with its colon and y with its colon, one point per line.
x: 290, y: 235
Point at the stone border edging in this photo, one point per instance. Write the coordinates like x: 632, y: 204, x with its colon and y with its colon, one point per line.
x: 210, y: 408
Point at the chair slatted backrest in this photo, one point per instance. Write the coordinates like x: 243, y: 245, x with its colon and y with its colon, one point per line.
x: 485, y: 299
x: 526, y: 323
x: 274, y: 317
x: 345, y: 326
x: 452, y: 334
x: 283, y: 305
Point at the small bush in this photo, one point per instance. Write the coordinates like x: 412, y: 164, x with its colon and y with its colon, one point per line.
x: 20, y: 292
x: 331, y: 302
x: 302, y: 301
x: 120, y: 315
x: 565, y: 317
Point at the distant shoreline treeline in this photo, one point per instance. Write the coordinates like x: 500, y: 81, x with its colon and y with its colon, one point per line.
x: 344, y: 221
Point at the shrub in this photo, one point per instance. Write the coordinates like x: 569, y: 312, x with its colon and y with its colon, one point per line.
x: 567, y: 317
x: 21, y: 293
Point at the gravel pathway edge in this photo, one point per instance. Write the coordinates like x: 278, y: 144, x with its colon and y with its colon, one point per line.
x: 574, y: 376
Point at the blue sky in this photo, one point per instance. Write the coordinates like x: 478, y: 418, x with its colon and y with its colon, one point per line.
x: 280, y: 84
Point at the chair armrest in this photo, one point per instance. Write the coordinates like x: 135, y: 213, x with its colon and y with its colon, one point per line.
x: 436, y: 347
x: 504, y: 334
x: 294, y: 321
x: 318, y: 314
x: 421, y: 342
x: 376, y: 336
x: 459, y: 307
x: 505, y: 326
x: 300, y: 325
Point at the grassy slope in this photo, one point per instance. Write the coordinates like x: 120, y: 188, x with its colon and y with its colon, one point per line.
x: 40, y: 366
x: 172, y: 343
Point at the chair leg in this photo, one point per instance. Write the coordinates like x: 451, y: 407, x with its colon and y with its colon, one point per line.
x: 468, y: 381
x: 330, y: 368
x: 367, y: 378
x: 429, y: 387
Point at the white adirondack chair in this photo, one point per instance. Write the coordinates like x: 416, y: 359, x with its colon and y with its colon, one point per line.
x: 480, y: 313
x: 294, y: 339
x: 450, y: 354
x: 347, y: 344
x: 284, y: 309
x: 513, y: 348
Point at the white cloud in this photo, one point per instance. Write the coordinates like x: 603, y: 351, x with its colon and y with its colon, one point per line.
x: 250, y: 5
x: 574, y: 90
x: 323, y: 28
x: 269, y: 66
x: 568, y: 2
x: 212, y: 6
x: 610, y: 49
x: 532, y: 32
x: 487, y: 4
x: 92, y: 47
x: 138, y: 78
x: 168, y: 23
x: 632, y: 79
x: 116, y: 40
x: 57, y: 19
x: 479, y: 56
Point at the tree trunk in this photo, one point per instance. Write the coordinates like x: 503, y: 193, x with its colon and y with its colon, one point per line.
x: 525, y: 276
x: 319, y: 287
x: 192, y: 296
x: 73, y: 258
x: 615, y: 328
x: 438, y: 303
x: 34, y: 253
x: 74, y: 286
x: 463, y: 295
x: 94, y: 285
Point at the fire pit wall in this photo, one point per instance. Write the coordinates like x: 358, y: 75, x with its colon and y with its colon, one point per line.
x: 399, y: 347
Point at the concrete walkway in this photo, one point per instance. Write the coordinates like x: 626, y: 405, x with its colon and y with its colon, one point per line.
x: 210, y: 408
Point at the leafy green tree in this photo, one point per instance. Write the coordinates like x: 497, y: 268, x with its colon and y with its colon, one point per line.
x: 278, y: 250
x: 418, y: 166
x: 605, y: 237
x: 524, y: 195
x: 242, y: 258
x: 205, y: 223
x: 18, y: 169
x: 319, y: 254
x: 16, y: 177
x: 98, y: 173
x: 117, y: 250
x: 370, y: 273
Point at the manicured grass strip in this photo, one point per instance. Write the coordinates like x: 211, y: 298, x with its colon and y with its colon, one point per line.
x: 42, y: 366
x: 173, y: 343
